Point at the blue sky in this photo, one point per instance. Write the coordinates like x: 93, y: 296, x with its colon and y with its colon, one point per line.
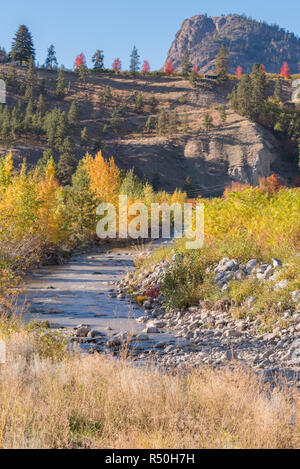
x: 116, y: 25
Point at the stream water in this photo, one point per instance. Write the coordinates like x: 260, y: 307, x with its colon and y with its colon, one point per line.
x: 78, y: 292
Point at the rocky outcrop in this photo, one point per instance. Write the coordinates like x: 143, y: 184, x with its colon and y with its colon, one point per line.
x: 248, y: 42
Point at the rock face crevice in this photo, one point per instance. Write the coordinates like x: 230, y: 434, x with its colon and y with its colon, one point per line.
x: 247, y: 40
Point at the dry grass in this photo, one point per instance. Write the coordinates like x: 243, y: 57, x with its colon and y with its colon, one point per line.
x: 93, y: 402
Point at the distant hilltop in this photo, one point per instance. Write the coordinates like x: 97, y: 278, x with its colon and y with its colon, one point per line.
x: 248, y: 42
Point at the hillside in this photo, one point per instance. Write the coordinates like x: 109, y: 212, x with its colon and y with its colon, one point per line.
x: 237, y: 150
x: 247, y: 40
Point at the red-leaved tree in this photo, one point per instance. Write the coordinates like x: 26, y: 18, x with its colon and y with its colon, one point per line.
x: 271, y: 184
x: 80, y: 61
x: 239, y: 71
x: 285, y: 70
x: 169, y: 67
x: 146, y: 67
x: 117, y: 65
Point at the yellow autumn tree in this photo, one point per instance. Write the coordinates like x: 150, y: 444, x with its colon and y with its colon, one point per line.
x: 104, y: 177
x: 49, y: 211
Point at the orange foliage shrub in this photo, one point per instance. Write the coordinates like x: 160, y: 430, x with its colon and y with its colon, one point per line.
x: 271, y: 184
x: 235, y: 187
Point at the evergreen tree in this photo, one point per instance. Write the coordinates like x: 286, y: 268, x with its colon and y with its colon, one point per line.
x: 60, y: 84
x: 131, y: 185
x: 115, y: 120
x: 22, y: 46
x: 41, y: 107
x: 67, y: 161
x: 107, y: 97
x: 30, y: 80
x: 173, y: 123
x: 84, y: 138
x: 153, y: 104
x: 150, y: 124
x: 139, y: 103
x: 193, y: 78
x: 278, y: 95
x: 55, y: 126
x: 162, y: 123
x: 3, y: 56
x: 258, y: 80
x: 11, y: 75
x: 51, y: 60
x: 74, y: 114
x: 222, y: 64
x: 98, y: 60
x: 244, y: 96
x: 43, y: 162
x: 207, y: 121
x: 186, y: 65
x: 82, y: 204
x: 134, y: 61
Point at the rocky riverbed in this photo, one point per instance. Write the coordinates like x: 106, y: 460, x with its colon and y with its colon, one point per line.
x: 209, y: 332
x: 91, y: 299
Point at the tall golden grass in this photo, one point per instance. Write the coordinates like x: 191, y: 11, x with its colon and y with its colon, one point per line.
x: 97, y: 402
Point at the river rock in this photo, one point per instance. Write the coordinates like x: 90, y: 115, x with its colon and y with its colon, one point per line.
x: 82, y: 331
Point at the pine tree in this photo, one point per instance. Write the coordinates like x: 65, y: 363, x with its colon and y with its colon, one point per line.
x: 162, y: 123
x: 115, y: 120
x: 28, y: 116
x: 82, y: 205
x: 60, y: 84
x: 139, y: 103
x: 278, y: 90
x: 30, y: 80
x: 150, y: 123
x: 98, y: 60
x: 67, y: 161
x: 107, y: 96
x: 258, y: 80
x: 11, y: 76
x: 244, y: 96
x: 207, y: 121
x: 41, y: 107
x: 51, y: 60
x: 173, y: 123
x: 134, y: 61
x: 84, y: 138
x: 186, y: 66
x: 42, y: 163
x: 74, y: 114
x: 222, y: 64
x: 153, y: 104
x: 193, y: 78
x: 22, y: 46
